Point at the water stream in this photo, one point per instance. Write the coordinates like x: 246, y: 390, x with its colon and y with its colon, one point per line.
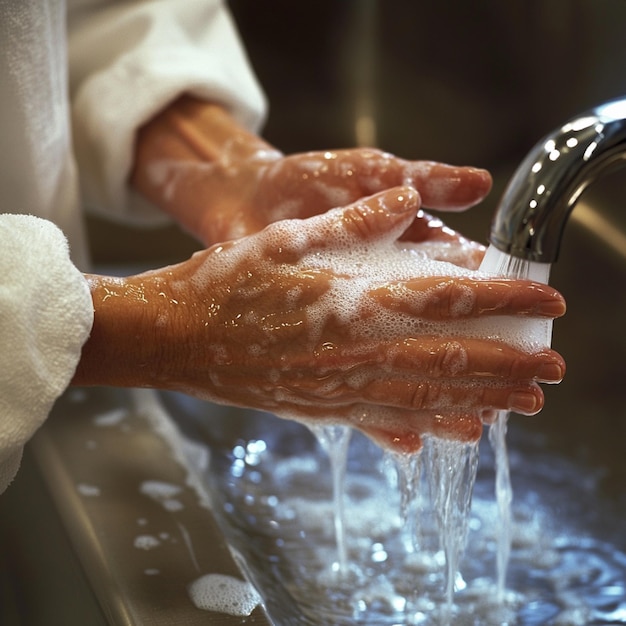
x: 334, y: 439
x: 497, y: 263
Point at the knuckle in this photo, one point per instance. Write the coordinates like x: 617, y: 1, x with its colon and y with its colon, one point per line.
x: 449, y: 359
x: 453, y: 299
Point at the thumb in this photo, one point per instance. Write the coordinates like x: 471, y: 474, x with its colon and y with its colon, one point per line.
x: 383, y: 216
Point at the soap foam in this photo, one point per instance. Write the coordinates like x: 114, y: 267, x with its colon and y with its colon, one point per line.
x: 356, y: 265
x: 89, y: 491
x: 224, y: 594
x: 111, y: 418
x: 146, y: 542
x: 163, y: 493
x: 363, y: 266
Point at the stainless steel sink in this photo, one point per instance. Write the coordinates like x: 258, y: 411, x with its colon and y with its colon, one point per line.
x: 106, y: 524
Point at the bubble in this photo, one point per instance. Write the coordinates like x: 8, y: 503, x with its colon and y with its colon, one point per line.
x: 146, y: 542
x: 224, y: 594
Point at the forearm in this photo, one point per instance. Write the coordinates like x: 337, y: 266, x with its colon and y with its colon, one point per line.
x: 189, y: 138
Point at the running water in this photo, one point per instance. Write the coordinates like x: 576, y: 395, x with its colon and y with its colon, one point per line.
x: 504, y: 498
x: 409, y: 474
x: 274, y: 502
x: 497, y: 263
x: 451, y: 478
x: 334, y: 440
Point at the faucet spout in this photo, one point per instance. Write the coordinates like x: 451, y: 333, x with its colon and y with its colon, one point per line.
x: 534, y: 209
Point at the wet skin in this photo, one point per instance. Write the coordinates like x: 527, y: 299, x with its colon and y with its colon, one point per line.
x: 255, y: 322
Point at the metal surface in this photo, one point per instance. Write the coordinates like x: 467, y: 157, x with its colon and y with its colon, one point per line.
x: 536, y: 205
x: 132, y: 555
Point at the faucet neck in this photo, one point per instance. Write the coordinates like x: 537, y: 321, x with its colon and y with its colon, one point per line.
x: 534, y: 209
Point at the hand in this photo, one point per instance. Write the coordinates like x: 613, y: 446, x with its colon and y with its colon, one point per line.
x: 222, y: 183
x: 326, y: 319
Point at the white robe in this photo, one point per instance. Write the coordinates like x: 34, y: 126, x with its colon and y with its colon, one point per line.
x: 76, y: 82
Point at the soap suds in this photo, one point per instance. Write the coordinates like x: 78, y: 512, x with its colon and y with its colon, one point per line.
x: 88, y: 491
x: 146, y: 542
x: 111, y: 418
x: 163, y: 493
x: 224, y: 594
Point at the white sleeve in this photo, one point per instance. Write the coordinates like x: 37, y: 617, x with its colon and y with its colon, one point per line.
x: 127, y: 61
x: 46, y: 314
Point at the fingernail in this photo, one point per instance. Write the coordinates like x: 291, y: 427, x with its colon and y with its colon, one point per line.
x: 551, y: 308
x: 523, y: 402
x: 406, y: 196
x: 550, y: 373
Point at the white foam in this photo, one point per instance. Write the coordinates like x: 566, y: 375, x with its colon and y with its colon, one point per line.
x: 146, y: 542
x: 358, y: 268
x: 159, y: 490
x: 89, y: 491
x: 163, y: 493
x: 224, y: 594
x: 151, y: 571
x: 111, y: 418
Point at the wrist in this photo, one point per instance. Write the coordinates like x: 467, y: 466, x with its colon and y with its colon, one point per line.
x: 188, y: 153
x: 211, y: 133
x: 125, y: 347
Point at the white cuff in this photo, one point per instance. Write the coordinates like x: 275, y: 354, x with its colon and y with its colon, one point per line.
x: 160, y: 57
x: 46, y: 315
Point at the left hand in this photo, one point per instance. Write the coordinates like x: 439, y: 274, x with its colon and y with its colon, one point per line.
x: 222, y: 183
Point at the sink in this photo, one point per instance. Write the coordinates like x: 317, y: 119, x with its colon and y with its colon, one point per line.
x: 106, y: 524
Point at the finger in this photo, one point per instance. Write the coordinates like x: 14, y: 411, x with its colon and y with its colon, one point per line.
x: 463, y: 357
x: 447, y: 187
x: 351, y: 173
x: 448, y: 397
x: 387, y: 212
x: 381, y: 217
x: 427, y: 227
x: 429, y: 373
x: 448, y: 298
x: 403, y: 431
x: 441, y: 186
x: 440, y: 243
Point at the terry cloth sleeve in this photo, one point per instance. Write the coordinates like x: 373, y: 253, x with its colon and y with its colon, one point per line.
x: 128, y: 60
x: 46, y: 315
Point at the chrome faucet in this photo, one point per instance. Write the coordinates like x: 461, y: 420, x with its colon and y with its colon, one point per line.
x: 535, y: 207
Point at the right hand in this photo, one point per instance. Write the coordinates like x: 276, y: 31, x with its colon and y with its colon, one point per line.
x: 304, y: 320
